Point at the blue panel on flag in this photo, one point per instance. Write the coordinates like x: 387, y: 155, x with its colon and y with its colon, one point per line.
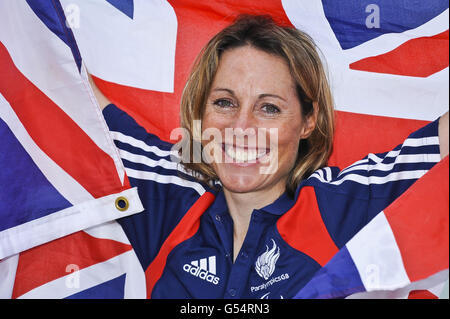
x: 112, y: 289
x: 338, y: 278
x: 52, y: 15
x: 26, y: 193
x: 355, y: 22
x: 126, y: 6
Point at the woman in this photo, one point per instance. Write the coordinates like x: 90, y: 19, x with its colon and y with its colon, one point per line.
x: 243, y: 220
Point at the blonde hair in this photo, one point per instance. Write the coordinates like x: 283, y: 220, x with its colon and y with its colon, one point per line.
x: 300, y: 53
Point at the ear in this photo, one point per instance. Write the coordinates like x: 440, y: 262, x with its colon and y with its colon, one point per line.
x: 309, y: 123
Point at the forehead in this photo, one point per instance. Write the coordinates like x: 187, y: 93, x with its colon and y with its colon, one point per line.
x: 247, y: 68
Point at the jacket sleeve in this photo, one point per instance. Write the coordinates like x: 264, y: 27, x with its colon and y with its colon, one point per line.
x: 164, y: 187
x: 348, y: 199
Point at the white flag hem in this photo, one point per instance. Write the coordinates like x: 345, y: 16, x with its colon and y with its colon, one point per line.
x: 67, y: 221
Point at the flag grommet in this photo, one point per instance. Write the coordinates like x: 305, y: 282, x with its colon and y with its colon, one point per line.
x: 122, y: 203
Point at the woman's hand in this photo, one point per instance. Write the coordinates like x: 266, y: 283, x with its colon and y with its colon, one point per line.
x: 101, y: 99
x: 443, y: 135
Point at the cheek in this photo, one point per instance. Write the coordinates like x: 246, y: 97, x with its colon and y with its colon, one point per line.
x: 288, y: 142
x: 212, y: 121
x: 211, y: 131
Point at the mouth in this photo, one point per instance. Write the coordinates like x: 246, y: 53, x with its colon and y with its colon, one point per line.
x: 244, y: 154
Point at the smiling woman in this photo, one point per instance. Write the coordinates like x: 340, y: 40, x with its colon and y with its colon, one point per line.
x: 263, y: 98
x: 253, y: 76
x: 225, y: 226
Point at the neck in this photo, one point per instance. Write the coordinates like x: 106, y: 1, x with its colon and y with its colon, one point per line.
x: 241, y: 206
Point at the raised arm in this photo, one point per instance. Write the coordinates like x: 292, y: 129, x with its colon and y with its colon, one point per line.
x: 103, y: 100
x: 443, y: 134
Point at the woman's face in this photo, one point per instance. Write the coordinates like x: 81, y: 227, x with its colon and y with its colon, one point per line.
x: 253, y: 120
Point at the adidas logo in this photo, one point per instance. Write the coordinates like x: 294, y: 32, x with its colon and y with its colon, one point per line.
x: 204, y: 269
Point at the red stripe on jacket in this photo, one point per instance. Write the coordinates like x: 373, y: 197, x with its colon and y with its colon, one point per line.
x: 302, y: 228
x: 185, y: 229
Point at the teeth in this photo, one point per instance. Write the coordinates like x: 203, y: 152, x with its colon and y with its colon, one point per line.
x: 242, y: 155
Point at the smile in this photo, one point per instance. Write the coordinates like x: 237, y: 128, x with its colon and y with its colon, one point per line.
x: 244, y: 154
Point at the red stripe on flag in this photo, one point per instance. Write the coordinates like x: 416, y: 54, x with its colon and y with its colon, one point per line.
x: 422, y: 294
x: 357, y: 135
x: 302, y: 228
x: 56, y: 134
x: 42, y: 264
x: 419, y: 57
x: 185, y: 229
x: 419, y: 221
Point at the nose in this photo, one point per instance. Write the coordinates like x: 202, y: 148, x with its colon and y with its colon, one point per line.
x: 244, y: 126
x: 244, y: 119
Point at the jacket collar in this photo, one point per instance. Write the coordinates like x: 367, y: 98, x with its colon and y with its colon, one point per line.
x: 280, y: 206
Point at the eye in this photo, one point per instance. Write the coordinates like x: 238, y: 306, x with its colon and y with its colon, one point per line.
x: 270, y: 109
x: 223, y: 103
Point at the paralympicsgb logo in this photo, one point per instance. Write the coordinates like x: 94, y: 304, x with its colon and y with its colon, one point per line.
x: 265, y: 264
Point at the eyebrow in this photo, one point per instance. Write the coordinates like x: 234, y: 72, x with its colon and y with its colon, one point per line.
x: 259, y: 96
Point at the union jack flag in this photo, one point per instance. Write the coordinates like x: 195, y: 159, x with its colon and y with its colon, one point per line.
x: 63, y: 184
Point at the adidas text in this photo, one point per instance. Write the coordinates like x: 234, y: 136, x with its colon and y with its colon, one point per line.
x: 201, y: 273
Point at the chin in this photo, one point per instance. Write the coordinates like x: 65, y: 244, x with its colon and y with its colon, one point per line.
x: 239, y: 188
x: 242, y: 181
